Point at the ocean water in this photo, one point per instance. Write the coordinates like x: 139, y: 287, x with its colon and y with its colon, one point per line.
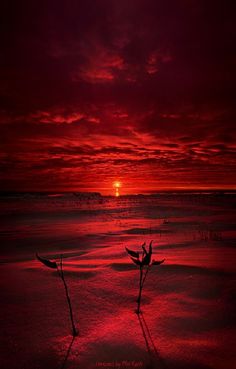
x: 62, y: 223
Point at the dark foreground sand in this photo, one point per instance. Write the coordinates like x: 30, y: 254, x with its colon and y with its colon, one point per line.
x: 188, y: 310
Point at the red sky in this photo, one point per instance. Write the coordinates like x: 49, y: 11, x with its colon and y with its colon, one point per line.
x: 137, y: 91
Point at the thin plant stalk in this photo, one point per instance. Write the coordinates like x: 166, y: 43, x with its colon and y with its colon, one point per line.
x: 140, y: 288
x: 142, y: 279
x: 61, y: 274
x: 53, y: 265
x: 144, y: 260
x: 145, y: 275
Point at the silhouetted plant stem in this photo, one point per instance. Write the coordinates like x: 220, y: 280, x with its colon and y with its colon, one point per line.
x: 61, y: 273
x: 54, y: 265
x: 144, y: 260
x: 140, y: 288
x: 143, y: 276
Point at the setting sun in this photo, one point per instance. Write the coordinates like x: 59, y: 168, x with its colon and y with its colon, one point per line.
x: 117, y: 185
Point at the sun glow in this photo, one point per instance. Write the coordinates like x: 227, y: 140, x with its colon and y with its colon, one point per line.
x: 117, y: 185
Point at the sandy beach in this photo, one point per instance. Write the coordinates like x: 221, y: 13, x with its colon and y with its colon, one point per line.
x: 188, y: 306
